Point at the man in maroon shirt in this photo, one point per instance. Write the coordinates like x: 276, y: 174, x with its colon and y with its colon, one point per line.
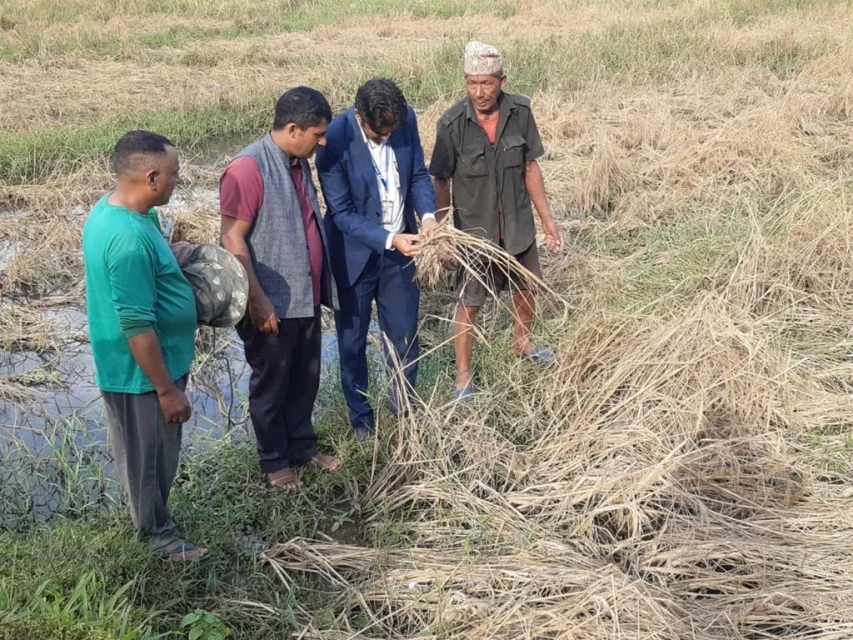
x: 241, y: 193
x: 270, y: 222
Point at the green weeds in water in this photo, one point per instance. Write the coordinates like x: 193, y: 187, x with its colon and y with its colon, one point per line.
x: 219, y: 500
x: 64, y: 476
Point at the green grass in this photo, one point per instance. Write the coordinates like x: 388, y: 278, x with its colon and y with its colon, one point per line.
x: 179, y: 34
x: 747, y: 12
x: 677, y: 260
x: 88, y: 610
x: 784, y: 57
x: 87, y: 566
x: 36, y: 156
x: 31, y: 44
x: 39, y: 155
x: 283, y: 14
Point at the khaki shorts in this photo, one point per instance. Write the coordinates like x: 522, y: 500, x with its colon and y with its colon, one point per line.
x: 473, y: 293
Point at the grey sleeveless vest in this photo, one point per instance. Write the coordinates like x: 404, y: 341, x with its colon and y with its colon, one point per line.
x: 277, y: 241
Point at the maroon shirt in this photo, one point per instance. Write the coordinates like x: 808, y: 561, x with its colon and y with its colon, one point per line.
x: 241, y: 193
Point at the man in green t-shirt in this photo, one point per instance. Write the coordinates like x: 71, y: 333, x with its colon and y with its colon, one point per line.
x: 142, y: 321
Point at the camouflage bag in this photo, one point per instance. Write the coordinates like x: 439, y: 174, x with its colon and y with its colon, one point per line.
x: 219, y: 283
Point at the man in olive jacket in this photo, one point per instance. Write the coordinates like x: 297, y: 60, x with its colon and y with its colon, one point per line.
x: 486, y: 150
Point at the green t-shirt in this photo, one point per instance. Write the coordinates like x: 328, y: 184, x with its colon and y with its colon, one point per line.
x: 133, y: 285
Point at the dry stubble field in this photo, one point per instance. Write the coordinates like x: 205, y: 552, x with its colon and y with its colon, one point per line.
x: 684, y: 473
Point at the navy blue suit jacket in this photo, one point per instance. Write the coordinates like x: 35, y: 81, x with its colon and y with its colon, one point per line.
x: 353, y: 204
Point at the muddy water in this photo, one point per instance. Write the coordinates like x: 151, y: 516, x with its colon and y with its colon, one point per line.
x: 218, y: 388
x: 54, y: 454
x: 219, y: 151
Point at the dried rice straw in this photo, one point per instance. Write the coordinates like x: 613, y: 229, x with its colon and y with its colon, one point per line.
x: 445, y: 243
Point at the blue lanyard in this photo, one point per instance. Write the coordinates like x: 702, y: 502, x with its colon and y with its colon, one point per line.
x: 383, y: 179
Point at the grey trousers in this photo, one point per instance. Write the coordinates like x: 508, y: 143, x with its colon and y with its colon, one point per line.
x: 146, y: 450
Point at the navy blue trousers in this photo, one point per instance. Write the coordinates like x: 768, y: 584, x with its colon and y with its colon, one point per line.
x: 389, y: 280
x: 282, y: 389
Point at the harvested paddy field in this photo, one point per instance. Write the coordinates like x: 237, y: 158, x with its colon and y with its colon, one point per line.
x: 685, y: 472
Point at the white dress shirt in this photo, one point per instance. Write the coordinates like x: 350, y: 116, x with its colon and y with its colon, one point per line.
x: 388, y: 183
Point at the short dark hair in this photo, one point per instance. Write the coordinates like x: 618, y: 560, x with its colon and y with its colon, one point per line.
x: 381, y: 104
x: 303, y: 106
x: 137, y: 143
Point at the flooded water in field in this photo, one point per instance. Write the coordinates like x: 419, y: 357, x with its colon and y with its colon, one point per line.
x: 219, y: 151
x: 53, y: 432
x: 62, y: 386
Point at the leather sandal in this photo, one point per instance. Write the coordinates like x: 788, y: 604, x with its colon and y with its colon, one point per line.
x: 325, y: 462
x: 186, y: 554
x: 284, y: 480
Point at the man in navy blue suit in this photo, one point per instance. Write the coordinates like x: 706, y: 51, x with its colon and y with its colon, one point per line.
x: 374, y: 180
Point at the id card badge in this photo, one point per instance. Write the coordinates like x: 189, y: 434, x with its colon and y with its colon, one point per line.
x: 387, y: 210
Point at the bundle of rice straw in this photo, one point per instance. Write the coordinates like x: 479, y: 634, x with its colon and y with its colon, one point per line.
x: 446, y: 244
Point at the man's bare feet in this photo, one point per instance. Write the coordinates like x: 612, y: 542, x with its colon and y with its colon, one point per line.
x: 522, y: 349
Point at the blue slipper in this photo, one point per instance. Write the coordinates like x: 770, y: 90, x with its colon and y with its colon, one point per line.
x: 464, y: 395
x: 540, y: 355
